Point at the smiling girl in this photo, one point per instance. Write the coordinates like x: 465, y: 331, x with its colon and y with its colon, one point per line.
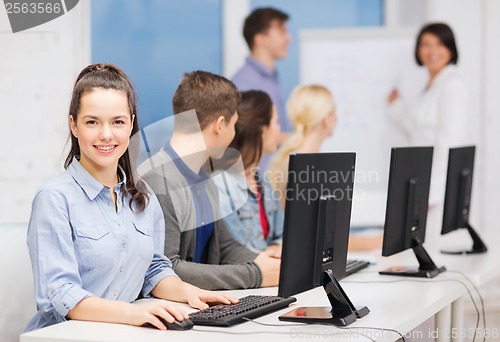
x: 96, y: 233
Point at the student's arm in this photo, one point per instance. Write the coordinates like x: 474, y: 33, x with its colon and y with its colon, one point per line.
x: 207, y: 276
x: 172, y: 288
x: 267, y: 263
x: 58, y: 285
x: 161, y: 281
x: 104, y: 310
x: 231, y: 251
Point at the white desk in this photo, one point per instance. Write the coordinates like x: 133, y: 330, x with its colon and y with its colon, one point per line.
x: 399, y: 305
x: 395, y: 302
x: 479, y: 268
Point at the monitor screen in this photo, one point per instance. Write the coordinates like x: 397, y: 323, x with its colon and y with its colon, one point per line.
x: 407, y: 198
x: 316, y: 232
x: 457, y: 199
x: 458, y: 188
x: 406, y: 211
x: 306, y: 254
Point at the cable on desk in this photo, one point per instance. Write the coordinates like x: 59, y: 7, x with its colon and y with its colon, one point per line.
x: 305, y: 325
x: 343, y: 328
x: 240, y: 333
x: 425, y: 282
x: 380, y: 329
x: 269, y: 332
x: 478, y: 293
x: 300, y: 325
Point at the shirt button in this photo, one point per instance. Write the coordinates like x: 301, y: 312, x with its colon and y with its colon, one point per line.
x: 203, y: 223
x: 121, y: 269
x: 115, y: 293
x: 124, y: 245
x: 119, y: 224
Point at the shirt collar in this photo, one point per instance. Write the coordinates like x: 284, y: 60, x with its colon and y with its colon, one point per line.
x: 261, y: 68
x: 448, y: 69
x: 190, y: 175
x: 89, y: 184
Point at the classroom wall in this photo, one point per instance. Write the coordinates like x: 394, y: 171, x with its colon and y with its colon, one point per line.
x: 155, y: 42
x: 37, y: 69
x: 490, y: 104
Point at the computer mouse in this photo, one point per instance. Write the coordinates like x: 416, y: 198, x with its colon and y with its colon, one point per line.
x: 185, y: 324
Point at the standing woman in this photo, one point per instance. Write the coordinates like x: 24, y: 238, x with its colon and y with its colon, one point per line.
x: 440, y: 117
x: 96, y: 232
x: 258, y: 223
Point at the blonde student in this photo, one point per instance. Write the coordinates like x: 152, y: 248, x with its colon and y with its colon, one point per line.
x: 311, y: 109
x: 96, y: 231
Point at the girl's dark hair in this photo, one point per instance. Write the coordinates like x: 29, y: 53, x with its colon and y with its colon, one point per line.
x: 108, y: 76
x: 445, y: 35
x: 254, y: 112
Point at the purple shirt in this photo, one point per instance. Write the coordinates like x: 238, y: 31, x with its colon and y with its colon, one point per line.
x: 256, y: 76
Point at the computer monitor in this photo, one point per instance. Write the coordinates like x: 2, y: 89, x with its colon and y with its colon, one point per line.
x: 458, y: 197
x: 406, y: 211
x: 317, y: 217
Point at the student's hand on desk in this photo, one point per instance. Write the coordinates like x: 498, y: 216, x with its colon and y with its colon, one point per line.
x: 150, y: 311
x: 364, y: 243
x: 270, y: 267
x: 198, y: 298
x: 275, y: 251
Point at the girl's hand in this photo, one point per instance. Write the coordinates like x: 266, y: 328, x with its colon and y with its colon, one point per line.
x: 198, y: 298
x: 150, y: 311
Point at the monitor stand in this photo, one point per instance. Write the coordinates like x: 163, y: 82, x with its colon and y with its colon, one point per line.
x: 427, y: 268
x: 478, y: 245
x: 341, y: 313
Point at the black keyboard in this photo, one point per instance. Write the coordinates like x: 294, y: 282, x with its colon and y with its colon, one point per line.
x: 353, y: 266
x: 248, y: 307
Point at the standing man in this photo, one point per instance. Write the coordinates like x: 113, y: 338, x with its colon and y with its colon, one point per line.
x: 267, y: 38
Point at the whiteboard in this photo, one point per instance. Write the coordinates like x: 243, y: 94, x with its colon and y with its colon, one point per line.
x: 361, y: 67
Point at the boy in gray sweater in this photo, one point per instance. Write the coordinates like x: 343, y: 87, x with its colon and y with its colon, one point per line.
x: 200, y: 247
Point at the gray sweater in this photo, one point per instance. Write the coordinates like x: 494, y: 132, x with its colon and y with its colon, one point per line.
x: 227, y: 264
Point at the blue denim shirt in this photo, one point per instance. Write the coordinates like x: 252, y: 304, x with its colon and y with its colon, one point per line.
x: 80, y: 246
x: 244, y: 222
